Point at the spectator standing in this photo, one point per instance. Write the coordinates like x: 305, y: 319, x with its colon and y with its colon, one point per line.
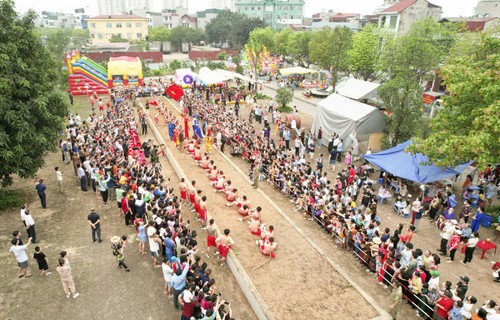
x: 43, y: 262
x: 82, y: 177
x: 19, y: 252
x: 59, y: 179
x: 95, y: 223
x: 30, y: 225
x: 470, y: 246
x: 67, y: 279
x: 40, y: 189
x: 178, y: 282
x: 396, y: 296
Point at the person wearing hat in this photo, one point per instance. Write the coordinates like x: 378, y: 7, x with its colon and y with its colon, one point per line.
x: 118, y: 251
x: 434, y: 280
x: 453, y: 245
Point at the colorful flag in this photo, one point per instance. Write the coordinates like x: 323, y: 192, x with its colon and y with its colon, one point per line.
x: 175, y: 92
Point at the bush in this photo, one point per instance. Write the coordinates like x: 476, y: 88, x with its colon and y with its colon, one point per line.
x: 262, y: 96
x: 284, y: 96
x: 12, y: 199
x: 174, y: 65
x: 285, y: 109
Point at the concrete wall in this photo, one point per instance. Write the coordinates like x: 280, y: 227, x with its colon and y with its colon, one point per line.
x: 420, y: 10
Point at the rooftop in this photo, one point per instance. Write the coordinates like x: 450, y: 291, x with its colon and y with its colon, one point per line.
x: 403, y: 4
x: 117, y: 17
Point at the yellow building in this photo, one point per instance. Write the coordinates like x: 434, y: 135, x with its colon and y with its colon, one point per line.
x: 128, y: 27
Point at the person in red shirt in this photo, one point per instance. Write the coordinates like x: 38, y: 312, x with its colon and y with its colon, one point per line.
x: 444, y: 304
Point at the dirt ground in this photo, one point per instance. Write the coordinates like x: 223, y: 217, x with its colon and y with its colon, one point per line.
x: 106, y: 292
x: 297, y: 260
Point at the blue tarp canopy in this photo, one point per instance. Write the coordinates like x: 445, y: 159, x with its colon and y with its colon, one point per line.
x: 409, y: 166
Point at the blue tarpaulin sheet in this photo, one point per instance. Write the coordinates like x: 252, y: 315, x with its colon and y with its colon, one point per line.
x: 414, y: 167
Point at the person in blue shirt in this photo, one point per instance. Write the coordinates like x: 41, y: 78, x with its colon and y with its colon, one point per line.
x: 476, y: 223
x: 178, y: 282
x: 456, y: 312
x: 169, y: 245
x: 40, y: 189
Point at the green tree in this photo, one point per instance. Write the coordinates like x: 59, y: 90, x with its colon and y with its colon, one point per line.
x: 258, y: 41
x: 298, y: 47
x: 181, y: 34
x: 282, y: 41
x: 58, y: 43
x: 33, y: 107
x: 263, y: 38
x: 231, y: 27
x: 284, y: 96
x: 161, y: 33
x: 411, y: 60
x: 328, y: 48
x: 366, y: 55
x: 468, y: 125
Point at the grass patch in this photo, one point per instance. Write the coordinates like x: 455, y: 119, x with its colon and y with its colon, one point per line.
x: 13, y: 198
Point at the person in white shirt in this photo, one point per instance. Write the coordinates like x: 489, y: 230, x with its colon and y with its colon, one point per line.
x: 30, y: 225
x: 167, y: 276
x: 24, y: 207
x: 59, y: 179
x: 21, y: 257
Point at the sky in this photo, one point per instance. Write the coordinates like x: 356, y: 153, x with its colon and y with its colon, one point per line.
x: 451, y: 8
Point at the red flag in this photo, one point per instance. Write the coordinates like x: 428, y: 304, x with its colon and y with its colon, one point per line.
x: 175, y: 92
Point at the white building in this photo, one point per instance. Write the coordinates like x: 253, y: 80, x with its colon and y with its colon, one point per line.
x: 110, y: 7
x: 488, y: 8
x: 173, y: 4
x: 221, y: 4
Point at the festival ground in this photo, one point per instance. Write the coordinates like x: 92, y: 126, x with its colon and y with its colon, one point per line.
x: 299, y: 282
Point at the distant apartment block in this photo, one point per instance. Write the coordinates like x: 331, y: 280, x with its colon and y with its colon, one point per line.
x: 130, y: 27
x: 277, y: 14
x: 222, y: 4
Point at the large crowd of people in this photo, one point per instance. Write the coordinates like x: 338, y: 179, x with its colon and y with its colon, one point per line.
x: 346, y: 205
x: 109, y: 159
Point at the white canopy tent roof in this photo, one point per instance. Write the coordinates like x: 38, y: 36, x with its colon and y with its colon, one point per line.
x: 212, y: 77
x: 357, y: 89
x: 348, y: 118
x: 296, y: 70
x: 233, y: 75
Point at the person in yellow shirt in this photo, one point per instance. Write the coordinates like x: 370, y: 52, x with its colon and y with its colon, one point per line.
x: 415, y: 287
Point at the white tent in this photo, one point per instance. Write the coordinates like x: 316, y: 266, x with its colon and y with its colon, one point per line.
x: 357, y: 89
x: 233, y: 75
x: 348, y: 118
x: 212, y: 77
x: 296, y: 70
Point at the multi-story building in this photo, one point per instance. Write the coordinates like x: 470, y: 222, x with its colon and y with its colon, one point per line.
x: 221, y: 4
x: 57, y: 20
x: 129, y: 27
x: 173, y: 4
x: 107, y: 7
x: 401, y: 16
x: 120, y: 6
x: 80, y: 19
x: 189, y: 21
x: 172, y: 18
x: 276, y: 13
x: 488, y: 8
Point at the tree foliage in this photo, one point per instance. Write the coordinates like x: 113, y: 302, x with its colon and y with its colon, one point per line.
x: 182, y: 34
x: 284, y: 96
x: 366, y: 55
x: 468, y: 126
x: 411, y: 60
x: 232, y: 27
x: 160, y: 33
x: 298, y: 47
x: 328, y: 48
x: 33, y: 107
x: 282, y: 41
x: 258, y: 41
x: 117, y: 38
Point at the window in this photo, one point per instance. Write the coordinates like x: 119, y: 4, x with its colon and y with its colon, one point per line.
x: 253, y: 8
x: 139, y: 36
x: 109, y: 25
x: 92, y: 24
x: 128, y: 24
x: 118, y: 24
x: 393, y: 21
x: 92, y: 35
x: 138, y: 24
x: 129, y: 35
x: 100, y: 36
